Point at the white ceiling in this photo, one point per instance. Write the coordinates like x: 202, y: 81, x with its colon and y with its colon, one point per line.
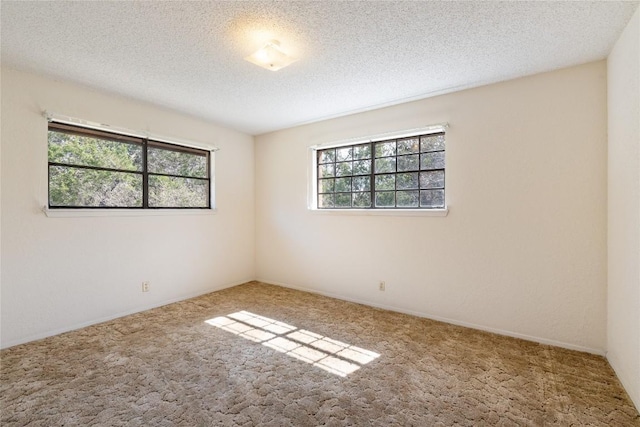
x: 353, y: 56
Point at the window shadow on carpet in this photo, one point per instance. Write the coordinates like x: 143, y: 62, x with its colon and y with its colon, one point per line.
x: 333, y: 356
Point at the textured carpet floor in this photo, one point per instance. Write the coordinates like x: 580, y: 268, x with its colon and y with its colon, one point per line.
x: 258, y: 354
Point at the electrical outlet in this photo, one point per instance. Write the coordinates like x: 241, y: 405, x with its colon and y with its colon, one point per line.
x: 382, y: 285
x: 146, y: 286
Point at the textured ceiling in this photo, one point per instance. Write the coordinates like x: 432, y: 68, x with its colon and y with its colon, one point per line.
x: 353, y: 56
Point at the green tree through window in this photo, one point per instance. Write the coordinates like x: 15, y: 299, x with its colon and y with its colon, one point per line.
x: 93, y: 169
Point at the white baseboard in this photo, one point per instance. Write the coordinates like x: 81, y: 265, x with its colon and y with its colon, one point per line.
x: 81, y: 325
x: 540, y: 340
x: 597, y: 351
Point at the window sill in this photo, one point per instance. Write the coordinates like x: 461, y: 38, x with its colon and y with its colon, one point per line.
x: 76, y: 213
x: 383, y: 212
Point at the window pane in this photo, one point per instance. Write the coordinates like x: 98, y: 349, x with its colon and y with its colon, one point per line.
x: 362, y: 151
x: 343, y: 184
x: 326, y: 201
x: 343, y: 154
x: 343, y: 169
x: 384, y: 149
x: 362, y: 167
x: 386, y: 165
x: 432, y: 198
x: 176, y: 163
x: 394, y: 173
x: 407, y: 181
x: 361, y: 200
x: 91, y: 151
x: 69, y: 186
x: 408, y: 146
x: 408, y: 163
x: 407, y: 199
x: 327, y: 156
x: 169, y: 191
x: 343, y: 200
x: 326, y: 185
x: 432, y: 179
x: 432, y: 160
x: 385, y: 182
x: 432, y: 143
x: 386, y: 199
x: 362, y: 183
x: 326, y: 170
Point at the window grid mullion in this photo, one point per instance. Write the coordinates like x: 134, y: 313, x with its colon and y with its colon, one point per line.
x: 373, y: 176
x: 145, y: 175
x: 353, y: 173
x: 177, y: 176
x: 95, y: 168
x: 395, y: 178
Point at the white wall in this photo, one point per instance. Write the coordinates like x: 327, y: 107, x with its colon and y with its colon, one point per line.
x: 523, y: 249
x: 623, y: 326
x: 62, y: 273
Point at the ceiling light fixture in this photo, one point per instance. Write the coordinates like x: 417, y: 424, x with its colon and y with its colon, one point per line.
x: 271, y: 57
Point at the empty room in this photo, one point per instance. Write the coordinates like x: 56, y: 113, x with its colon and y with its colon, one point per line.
x: 300, y: 213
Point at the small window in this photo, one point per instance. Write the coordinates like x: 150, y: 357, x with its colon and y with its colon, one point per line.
x: 95, y: 169
x: 403, y: 173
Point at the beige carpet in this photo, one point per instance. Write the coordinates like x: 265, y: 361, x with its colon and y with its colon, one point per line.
x: 259, y: 354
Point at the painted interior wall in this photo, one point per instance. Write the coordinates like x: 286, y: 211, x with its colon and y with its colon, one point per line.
x: 623, y: 324
x: 63, y: 273
x: 523, y: 248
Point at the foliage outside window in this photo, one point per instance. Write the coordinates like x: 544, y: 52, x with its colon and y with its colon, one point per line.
x: 95, y: 169
x: 403, y: 173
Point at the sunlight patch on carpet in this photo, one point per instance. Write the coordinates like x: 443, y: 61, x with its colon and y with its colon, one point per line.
x: 331, y: 355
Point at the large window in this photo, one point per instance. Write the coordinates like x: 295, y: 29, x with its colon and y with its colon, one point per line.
x: 403, y: 173
x: 95, y: 169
